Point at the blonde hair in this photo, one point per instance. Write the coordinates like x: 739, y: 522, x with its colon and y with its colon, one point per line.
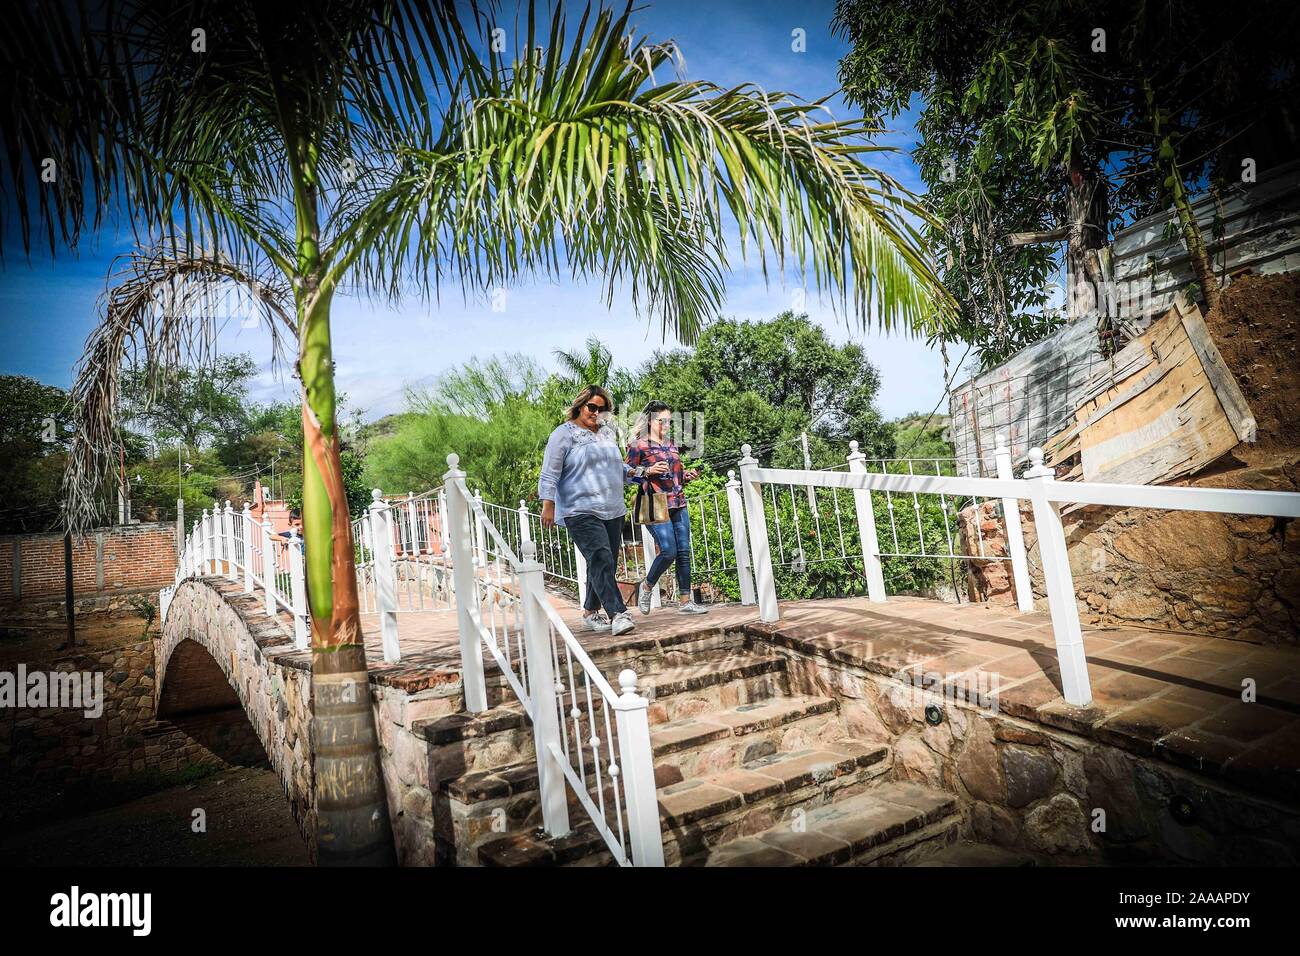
x: 641, y: 428
x: 586, y: 395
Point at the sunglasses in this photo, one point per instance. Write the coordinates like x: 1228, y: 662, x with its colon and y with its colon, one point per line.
x: 593, y: 407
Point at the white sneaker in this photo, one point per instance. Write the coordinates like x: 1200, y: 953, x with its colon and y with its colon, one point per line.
x: 690, y: 607
x: 622, y: 623
x: 596, y: 621
x: 643, y: 595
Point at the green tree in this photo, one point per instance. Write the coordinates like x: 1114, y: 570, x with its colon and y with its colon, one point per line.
x: 495, y: 413
x: 762, y: 383
x: 313, y: 144
x: 1059, y: 120
x: 195, y: 406
x: 592, y: 365
x: 34, y: 434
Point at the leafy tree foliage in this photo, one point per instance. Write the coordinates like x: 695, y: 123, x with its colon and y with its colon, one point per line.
x: 196, y: 406
x: 1019, y: 104
x: 762, y: 383
x: 33, y: 448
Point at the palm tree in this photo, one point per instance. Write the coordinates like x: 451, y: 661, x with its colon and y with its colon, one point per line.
x: 593, y: 364
x: 324, y: 143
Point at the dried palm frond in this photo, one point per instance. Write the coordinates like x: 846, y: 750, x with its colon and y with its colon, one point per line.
x: 161, y: 310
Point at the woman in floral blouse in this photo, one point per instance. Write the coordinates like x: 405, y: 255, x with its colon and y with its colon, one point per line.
x: 654, y: 463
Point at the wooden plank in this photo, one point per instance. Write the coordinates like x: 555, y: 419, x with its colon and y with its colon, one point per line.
x: 1221, y: 378
x: 1160, y: 423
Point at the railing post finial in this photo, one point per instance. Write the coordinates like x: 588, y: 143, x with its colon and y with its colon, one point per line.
x: 1036, y: 467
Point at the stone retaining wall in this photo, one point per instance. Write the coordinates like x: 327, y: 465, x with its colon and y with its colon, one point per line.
x: 1052, y: 793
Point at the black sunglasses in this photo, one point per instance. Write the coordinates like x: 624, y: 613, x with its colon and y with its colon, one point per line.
x: 593, y: 407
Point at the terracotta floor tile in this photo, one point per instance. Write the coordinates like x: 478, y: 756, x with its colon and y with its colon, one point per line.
x: 1245, y: 722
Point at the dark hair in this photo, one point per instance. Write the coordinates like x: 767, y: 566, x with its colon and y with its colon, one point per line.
x: 586, y: 395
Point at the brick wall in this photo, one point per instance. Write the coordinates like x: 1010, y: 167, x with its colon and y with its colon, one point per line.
x: 104, y: 561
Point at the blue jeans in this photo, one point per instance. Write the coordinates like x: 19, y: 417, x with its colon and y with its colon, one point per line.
x: 674, y: 539
x: 599, y: 540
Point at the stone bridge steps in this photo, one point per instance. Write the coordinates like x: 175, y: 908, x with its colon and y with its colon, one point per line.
x: 724, y: 741
x: 694, y: 656
x: 889, y: 824
x: 463, y: 743
x: 740, y: 761
x: 892, y: 823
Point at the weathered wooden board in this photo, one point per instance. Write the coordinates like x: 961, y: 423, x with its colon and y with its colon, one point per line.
x: 1031, y: 398
x: 1165, y: 419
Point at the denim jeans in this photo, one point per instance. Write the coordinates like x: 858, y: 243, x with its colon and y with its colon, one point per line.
x: 599, y: 540
x: 674, y: 539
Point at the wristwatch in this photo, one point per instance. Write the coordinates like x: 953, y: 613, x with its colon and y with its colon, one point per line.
x: 638, y: 471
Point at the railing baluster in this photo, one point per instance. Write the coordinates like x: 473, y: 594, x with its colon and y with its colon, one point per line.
x: 740, y: 540
x: 298, y: 590
x: 764, y: 582
x: 1015, y: 534
x: 1059, y: 583
x: 866, y: 516
x: 469, y: 622
x: 246, y: 535
x: 546, y: 731
x: 636, y: 771
x: 384, y: 577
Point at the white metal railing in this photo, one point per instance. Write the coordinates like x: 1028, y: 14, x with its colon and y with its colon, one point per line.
x: 587, y: 737
x: 234, y: 545
x: 714, y: 553
x: 1038, y: 486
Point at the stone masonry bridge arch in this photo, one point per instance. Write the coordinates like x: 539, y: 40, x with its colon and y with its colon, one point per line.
x: 217, y: 651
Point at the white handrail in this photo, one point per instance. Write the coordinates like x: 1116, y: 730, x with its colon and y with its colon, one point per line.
x: 1039, y: 487
x: 588, y: 665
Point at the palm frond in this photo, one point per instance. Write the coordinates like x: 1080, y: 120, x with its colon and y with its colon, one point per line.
x: 161, y: 311
x: 577, y: 156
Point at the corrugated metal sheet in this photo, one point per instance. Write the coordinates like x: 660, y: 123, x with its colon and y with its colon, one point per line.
x: 1261, y: 224
x: 1027, y: 399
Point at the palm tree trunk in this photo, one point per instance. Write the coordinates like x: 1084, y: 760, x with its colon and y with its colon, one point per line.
x: 1167, y: 162
x: 1202, y: 264
x: 352, y: 825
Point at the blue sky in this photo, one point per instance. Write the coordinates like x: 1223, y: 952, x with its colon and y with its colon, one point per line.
x: 47, y: 308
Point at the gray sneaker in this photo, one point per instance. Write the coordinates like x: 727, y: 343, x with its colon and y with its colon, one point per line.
x: 690, y: 607
x: 643, y: 595
x: 596, y: 621
x: 623, y: 623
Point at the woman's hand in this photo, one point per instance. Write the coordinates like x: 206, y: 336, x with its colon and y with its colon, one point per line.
x: 548, y: 514
x: 691, y: 475
x: 658, y: 469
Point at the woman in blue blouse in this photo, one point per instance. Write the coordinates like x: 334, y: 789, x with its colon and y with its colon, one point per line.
x: 581, y: 487
x: 656, y: 464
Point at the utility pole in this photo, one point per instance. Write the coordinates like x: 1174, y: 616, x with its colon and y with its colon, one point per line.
x: 67, y: 590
